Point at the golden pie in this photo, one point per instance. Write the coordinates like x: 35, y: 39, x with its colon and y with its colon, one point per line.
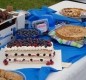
x: 73, y: 33
x: 2, y: 78
x: 72, y: 12
x: 7, y: 75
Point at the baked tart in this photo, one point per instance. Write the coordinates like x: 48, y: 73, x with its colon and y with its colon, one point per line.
x: 8, y: 75
x: 72, y: 12
x: 73, y: 33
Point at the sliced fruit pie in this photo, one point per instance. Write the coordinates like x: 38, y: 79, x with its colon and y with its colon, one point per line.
x: 72, y: 12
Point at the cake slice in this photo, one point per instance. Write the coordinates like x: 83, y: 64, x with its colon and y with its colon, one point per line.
x: 30, y: 51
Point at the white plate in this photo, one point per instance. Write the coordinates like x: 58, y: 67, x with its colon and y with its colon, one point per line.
x: 13, y: 66
x: 67, y: 4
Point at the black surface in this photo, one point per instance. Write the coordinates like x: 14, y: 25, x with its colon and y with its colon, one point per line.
x: 79, y: 1
x: 7, y: 24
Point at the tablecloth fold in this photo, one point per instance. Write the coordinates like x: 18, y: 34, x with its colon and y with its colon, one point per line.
x: 37, y: 73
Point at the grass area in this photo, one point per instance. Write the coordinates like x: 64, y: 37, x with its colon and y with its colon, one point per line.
x: 26, y: 4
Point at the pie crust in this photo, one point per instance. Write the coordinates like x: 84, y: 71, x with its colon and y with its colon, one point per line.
x: 71, y: 32
x: 72, y: 12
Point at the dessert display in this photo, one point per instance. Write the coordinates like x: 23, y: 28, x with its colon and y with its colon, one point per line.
x: 8, y: 75
x: 27, y: 33
x: 4, y: 15
x: 29, y: 51
x: 73, y: 33
x: 72, y: 12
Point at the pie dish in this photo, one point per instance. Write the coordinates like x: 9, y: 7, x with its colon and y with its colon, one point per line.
x: 72, y: 12
x: 70, y: 32
x: 9, y: 75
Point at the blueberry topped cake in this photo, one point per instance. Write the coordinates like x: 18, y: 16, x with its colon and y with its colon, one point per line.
x: 29, y: 51
x: 72, y: 12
